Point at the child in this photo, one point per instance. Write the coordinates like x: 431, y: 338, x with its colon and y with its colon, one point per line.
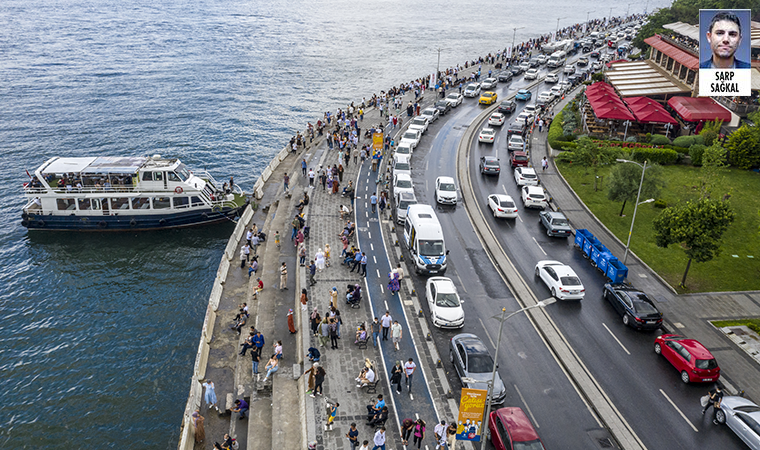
x: 327, y: 255
x: 277, y: 238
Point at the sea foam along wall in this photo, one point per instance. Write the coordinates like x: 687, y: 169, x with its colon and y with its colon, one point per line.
x: 187, y: 439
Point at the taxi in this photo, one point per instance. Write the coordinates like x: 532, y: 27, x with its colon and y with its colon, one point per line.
x: 487, y: 98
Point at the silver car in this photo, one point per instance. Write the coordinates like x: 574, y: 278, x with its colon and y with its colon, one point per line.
x: 742, y: 417
x: 474, y: 364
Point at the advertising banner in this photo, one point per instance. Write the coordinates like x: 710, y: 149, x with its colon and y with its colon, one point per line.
x: 472, y: 405
x: 377, y: 142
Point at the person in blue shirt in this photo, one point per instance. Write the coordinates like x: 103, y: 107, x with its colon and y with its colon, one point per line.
x: 373, y: 201
x: 364, y: 265
x: 241, y: 407
x: 376, y: 408
x: 357, y: 260
x: 258, y: 341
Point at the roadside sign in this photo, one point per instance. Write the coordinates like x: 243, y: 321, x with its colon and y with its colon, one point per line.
x: 472, y: 404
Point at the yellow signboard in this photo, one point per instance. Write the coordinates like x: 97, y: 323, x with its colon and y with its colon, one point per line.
x: 377, y: 141
x: 472, y: 405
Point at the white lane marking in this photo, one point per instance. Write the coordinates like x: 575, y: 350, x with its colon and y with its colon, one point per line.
x: 372, y: 247
x: 365, y: 198
x: 460, y: 282
x: 539, y: 246
x: 616, y: 339
x: 679, y: 411
x: 427, y: 164
x: 417, y: 416
x: 426, y: 184
x: 518, y: 216
x: 381, y: 288
x: 375, y: 260
x: 366, y: 214
x: 527, y: 407
x: 411, y: 397
x: 378, y: 272
x: 487, y: 333
x: 369, y: 234
x: 505, y: 189
x: 386, y: 305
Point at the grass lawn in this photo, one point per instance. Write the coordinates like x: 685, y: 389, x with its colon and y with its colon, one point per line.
x: 737, y: 268
x: 752, y: 324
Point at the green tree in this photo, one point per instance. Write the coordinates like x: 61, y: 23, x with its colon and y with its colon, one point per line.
x: 743, y: 147
x: 623, y: 185
x: 697, y: 226
x: 593, y: 156
x: 713, y: 169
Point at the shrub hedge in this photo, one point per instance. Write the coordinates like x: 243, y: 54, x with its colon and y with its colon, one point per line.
x: 555, y: 131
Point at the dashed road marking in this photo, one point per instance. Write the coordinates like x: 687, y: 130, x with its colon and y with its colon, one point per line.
x: 372, y: 247
x: 386, y: 305
x: 526, y: 406
x: 679, y: 411
x: 539, y: 246
x: 616, y: 339
x: 378, y: 272
x: 375, y: 260
x: 487, y: 333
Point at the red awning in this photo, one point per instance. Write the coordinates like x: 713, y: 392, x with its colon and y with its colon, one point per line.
x: 647, y: 110
x: 686, y: 59
x: 699, y: 109
x: 606, y: 103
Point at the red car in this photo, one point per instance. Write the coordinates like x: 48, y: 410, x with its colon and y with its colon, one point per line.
x: 692, y: 359
x: 511, y: 429
x: 518, y: 159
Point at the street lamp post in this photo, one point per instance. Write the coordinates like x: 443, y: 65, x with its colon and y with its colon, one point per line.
x: 668, y: 126
x: 556, y: 35
x: 514, y: 33
x: 502, y: 319
x: 625, y: 135
x: 636, y: 207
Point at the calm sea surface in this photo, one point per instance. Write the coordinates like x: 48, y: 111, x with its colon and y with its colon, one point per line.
x: 98, y: 333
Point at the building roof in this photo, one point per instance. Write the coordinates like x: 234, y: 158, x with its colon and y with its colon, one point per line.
x: 606, y: 103
x: 684, y: 29
x: 699, y: 109
x: 95, y: 164
x: 643, y: 78
x: 684, y: 58
x: 648, y: 110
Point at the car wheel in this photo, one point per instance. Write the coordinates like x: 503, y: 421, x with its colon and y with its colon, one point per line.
x: 657, y: 349
x: 451, y: 356
x: 537, y: 274
x: 685, y: 377
x: 720, y: 416
x: 626, y: 319
x: 549, y: 232
x: 554, y: 293
x: 494, y: 215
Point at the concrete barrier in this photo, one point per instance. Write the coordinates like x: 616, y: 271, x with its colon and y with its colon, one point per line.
x: 199, y: 371
x: 208, y: 323
x: 267, y: 173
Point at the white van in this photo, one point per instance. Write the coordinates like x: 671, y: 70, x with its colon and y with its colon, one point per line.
x: 557, y: 59
x: 424, y: 239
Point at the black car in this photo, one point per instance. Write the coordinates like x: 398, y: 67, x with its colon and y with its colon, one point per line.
x: 489, y: 165
x: 507, y: 107
x: 637, y: 309
x: 575, y: 78
x: 516, y: 127
x: 534, y: 62
x: 504, y: 76
x: 442, y: 106
x: 516, y: 70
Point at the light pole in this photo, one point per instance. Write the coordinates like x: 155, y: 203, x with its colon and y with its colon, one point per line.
x: 636, y: 207
x: 625, y: 135
x: 514, y: 33
x: 557, y: 32
x: 502, y: 319
x: 668, y: 126
x: 438, y: 66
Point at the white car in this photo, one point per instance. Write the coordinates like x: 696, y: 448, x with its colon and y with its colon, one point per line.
x: 525, y: 117
x: 525, y: 176
x: 420, y: 123
x: 556, y: 90
x: 565, y: 85
x: 525, y: 65
x: 402, y: 182
x: 530, y: 109
x: 402, y: 164
x: 446, y: 191
x: 472, y: 90
x: 531, y: 74
x: 569, y: 69
x: 411, y: 138
x: 454, y: 99
x: 445, y: 306
x: 487, y: 135
x: 516, y: 142
x: 534, y: 197
x: 497, y: 119
x: 545, y: 97
x: 403, y: 149
x: 430, y: 113
x: 542, y: 58
x: 551, y: 78
x: 561, y: 280
x: 488, y: 83
x: 502, y: 206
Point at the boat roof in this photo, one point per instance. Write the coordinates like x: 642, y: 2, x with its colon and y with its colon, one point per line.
x: 104, y: 164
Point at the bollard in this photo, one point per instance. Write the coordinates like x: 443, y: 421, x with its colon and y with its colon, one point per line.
x: 401, y: 258
x: 396, y: 243
x: 420, y: 313
x: 429, y: 337
x: 438, y: 364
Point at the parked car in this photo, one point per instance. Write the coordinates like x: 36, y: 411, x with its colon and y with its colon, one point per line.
x: 742, y: 416
x: 472, y: 362
x: 637, y: 309
x: 488, y: 83
x: 556, y: 223
x: 507, y: 107
x: 575, y: 78
x: 489, y: 165
x: 403, y: 201
x: 534, y: 197
x: 403, y: 149
x: 518, y: 158
x: 443, y: 107
x: 496, y: 119
x: 695, y: 363
x: 505, y: 76
x: 411, y: 138
x: 530, y: 109
x: 472, y: 90
x: 454, y: 99
x: 430, y: 113
x: 526, y: 117
x: 488, y: 98
x: 402, y: 164
x: 545, y: 97
x: 502, y: 205
x: 445, y: 191
x: 487, y: 135
x: 515, y: 142
x: 511, y: 430
x: 551, y: 78
x: 561, y: 280
x: 531, y: 74
x: 525, y: 176
x: 517, y: 127
x: 402, y: 182
x: 523, y: 94
x: 419, y: 123
x: 445, y: 306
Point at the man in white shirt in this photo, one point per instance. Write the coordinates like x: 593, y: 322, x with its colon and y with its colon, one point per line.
x: 379, y: 439
x: 396, y: 333
x: 386, y: 322
x: 440, y: 435
x: 409, y: 369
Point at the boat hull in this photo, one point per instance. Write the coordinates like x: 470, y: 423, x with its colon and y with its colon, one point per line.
x: 125, y: 222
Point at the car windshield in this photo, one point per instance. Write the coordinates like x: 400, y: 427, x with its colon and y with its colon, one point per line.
x: 405, y: 204
x: 507, y: 204
x: 470, y: 88
x: 559, y: 222
x: 645, y: 308
x: 528, y: 175
x: 401, y: 166
x: 410, y: 135
x: 528, y: 445
x: 706, y: 364
x: 452, y: 96
x: 447, y: 300
x: 492, y: 163
x: 404, y: 183
x: 480, y: 363
x: 431, y: 248
x: 419, y: 121
x: 486, y: 132
x: 448, y: 187
x: 427, y: 113
x: 403, y: 150
x: 748, y: 408
x: 443, y: 103
x: 569, y: 281
x: 520, y: 158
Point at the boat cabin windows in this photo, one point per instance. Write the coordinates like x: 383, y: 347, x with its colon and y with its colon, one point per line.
x: 181, y: 202
x: 162, y: 202
x: 140, y: 203
x: 171, y: 176
x: 183, y: 173
x: 152, y: 176
x: 84, y: 204
x: 120, y: 203
x: 196, y: 201
x: 66, y: 204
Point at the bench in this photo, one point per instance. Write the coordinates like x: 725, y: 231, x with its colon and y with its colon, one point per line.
x: 362, y: 343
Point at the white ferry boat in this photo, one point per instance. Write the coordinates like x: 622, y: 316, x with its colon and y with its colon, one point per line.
x: 105, y: 193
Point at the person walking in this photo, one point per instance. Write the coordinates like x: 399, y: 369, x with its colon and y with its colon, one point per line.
x: 373, y: 202
x: 286, y: 183
x: 315, y: 320
x: 245, y: 251
x: 409, y: 369
x: 363, y: 262
x: 353, y: 436
x: 419, y: 432
x: 319, y: 259
x: 544, y: 164
x: 332, y: 411
x: 407, y: 427
x: 396, y: 334
x: 283, y: 276
x: 291, y: 325
x: 312, y: 372
x: 375, y: 331
x: 340, y: 171
x: 312, y: 273
x: 327, y: 256
x: 379, y: 439
x: 303, y: 166
x: 324, y: 332
x: 540, y: 125
x: 319, y: 379
x: 714, y: 397
x: 333, y: 330
x: 312, y: 175
x: 381, y: 204
x: 451, y: 436
x: 200, y: 432
x: 397, y: 373
x: 210, y: 395
x: 440, y: 435
x: 393, y: 285
x: 386, y: 322
x: 302, y: 255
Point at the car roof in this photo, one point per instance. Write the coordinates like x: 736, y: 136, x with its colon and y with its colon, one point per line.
x: 536, y: 189
x: 406, y: 196
x: 472, y: 344
x: 526, y: 170
x: 497, y: 114
x: 490, y: 130
x: 520, y: 427
x: 443, y: 284
x: 402, y: 158
x: 554, y: 214
x: 489, y: 158
x: 516, y: 137
x: 473, y: 85
x: 503, y: 198
x: 403, y: 176
x: 445, y: 179
x: 522, y: 91
x: 488, y: 93
x: 692, y: 345
x: 430, y: 110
